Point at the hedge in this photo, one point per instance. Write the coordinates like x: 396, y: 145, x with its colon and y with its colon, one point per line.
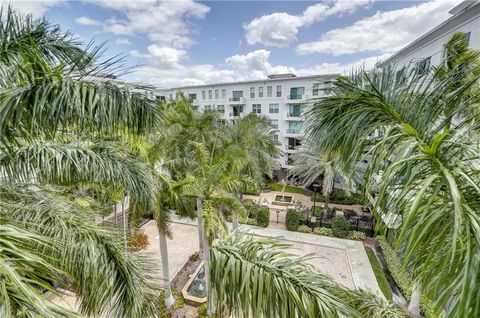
x: 340, y: 226
x: 352, y: 235
x: 303, y: 229
x: 292, y: 220
x: 262, y: 216
x: 403, y: 279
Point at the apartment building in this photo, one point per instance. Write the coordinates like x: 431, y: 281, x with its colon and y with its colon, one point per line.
x: 281, y: 98
x: 429, y: 50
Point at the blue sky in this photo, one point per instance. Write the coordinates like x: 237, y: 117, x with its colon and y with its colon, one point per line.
x: 191, y: 42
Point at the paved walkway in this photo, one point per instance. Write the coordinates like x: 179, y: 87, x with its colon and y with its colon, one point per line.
x: 344, y: 260
x: 266, y: 198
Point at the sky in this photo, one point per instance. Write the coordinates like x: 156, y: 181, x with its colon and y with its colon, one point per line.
x: 179, y: 43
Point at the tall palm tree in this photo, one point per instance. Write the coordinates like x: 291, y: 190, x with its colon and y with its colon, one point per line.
x: 251, y: 138
x: 428, y: 169
x: 58, y: 130
x: 311, y: 164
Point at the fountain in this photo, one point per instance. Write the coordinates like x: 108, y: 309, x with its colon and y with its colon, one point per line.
x: 195, y: 292
x: 282, y: 200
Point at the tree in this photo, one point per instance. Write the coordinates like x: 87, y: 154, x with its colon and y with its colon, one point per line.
x: 59, y: 130
x: 427, y: 167
x: 251, y: 138
x: 311, y: 164
x: 254, y: 277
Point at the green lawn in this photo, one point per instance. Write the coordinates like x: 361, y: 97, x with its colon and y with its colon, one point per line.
x: 279, y: 187
x: 379, y: 274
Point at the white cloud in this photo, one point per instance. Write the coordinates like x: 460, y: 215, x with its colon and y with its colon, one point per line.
x: 280, y: 29
x: 35, y: 7
x: 123, y: 41
x: 166, y: 23
x: 87, y: 21
x: 386, y: 31
x: 255, y: 65
x: 251, y: 66
x: 182, y: 75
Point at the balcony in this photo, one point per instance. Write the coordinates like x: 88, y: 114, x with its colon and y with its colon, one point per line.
x: 194, y: 102
x: 293, y: 132
x: 292, y: 148
x: 236, y: 100
x: 297, y: 98
x: 294, y: 116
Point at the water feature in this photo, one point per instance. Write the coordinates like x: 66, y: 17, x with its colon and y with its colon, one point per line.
x: 283, y: 198
x: 195, y: 292
x: 197, y: 286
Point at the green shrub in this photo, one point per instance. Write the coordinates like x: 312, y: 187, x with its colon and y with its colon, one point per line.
x: 263, y: 216
x: 202, y: 311
x: 317, y: 197
x: 251, y: 221
x: 356, y: 235
x: 403, y: 279
x: 179, y: 300
x: 340, y: 226
x: 323, y: 231
x: 341, y: 197
x: 292, y: 219
x: 303, y: 229
x: 248, y: 203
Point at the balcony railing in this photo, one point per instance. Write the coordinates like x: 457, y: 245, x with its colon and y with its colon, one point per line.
x: 292, y: 147
x: 289, y: 162
x: 235, y: 115
x: 293, y: 131
x: 237, y: 100
x: 295, y: 96
x: 294, y: 114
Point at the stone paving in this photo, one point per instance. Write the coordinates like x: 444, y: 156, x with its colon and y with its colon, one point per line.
x: 344, y: 260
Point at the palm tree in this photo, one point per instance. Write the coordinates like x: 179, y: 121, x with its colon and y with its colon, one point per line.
x: 59, y: 130
x: 428, y: 169
x: 311, y: 164
x: 254, y: 277
x: 251, y: 138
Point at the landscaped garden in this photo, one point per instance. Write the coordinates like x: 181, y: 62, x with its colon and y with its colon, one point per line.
x: 73, y: 144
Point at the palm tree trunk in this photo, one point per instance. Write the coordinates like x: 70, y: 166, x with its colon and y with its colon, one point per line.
x: 208, y: 283
x: 125, y: 227
x: 162, y: 239
x: 327, y: 198
x: 201, y: 233
x: 414, y: 305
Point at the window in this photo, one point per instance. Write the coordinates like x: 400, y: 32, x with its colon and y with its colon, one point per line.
x: 257, y: 108
x: 252, y: 92
x: 274, y: 123
x: 203, y: 95
x: 423, y: 66
x: 269, y: 91
x: 236, y: 95
x: 207, y: 107
x: 275, y: 137
x: 273, y: 108
x: 296, y: 92
x: 316, y: 89
x: 192, y: 97
x: 224, y: 93
x: 217, y: 94
x: 210, y: 94
x: 170, y: 96
x: 221, y: 109
x: 279, y: 91
x: 260, y: 92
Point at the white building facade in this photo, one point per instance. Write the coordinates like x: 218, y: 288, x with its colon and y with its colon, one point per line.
x: 281, y: 98
x: 429, y: 49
